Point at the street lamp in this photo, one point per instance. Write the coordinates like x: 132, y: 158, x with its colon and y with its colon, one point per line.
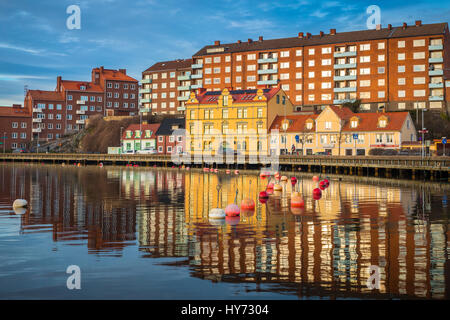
x: 121, y: 147
x: 423, y: 132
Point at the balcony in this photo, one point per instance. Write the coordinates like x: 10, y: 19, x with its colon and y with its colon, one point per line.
x: 268, y: 60
x: 436, y: 98
x: 438, y: 72
x: 436, y: 85
x: 37, y: 110
x: 197, y: 76
x: 342, y: 101
x: 345, y: 66
x: 436, y: 60
x: 269, y: 82
x: 37, y: 130
x: 343, y: 78
x: 267, y: 71
x: 80, y: 122
x: 345, y: 54
x: 183, y: 88
x: 184, y: 77
x: 181, y: 108
x: 145, y: 81
x: 37, y: 120
x: 183, y: 98
x: 146, y: 100
x: 345, y: 89
x: 196, y: 86
x: 146, y: 90
x: 80, y: 112
x: 81, y: 101
x: 436, y: 47
x: 197, y: 66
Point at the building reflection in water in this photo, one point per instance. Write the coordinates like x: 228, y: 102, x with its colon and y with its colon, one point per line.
x: 325, y: 251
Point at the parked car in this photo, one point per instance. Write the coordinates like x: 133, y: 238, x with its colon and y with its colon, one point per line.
x: 147, y: 151
x: 128, y: 152
x: 322, y: 153
x: 20, y: 150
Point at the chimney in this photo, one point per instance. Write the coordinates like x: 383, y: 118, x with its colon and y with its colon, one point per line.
x: 239, y: 41
x: 404, y: 25
x: 332, y: 31
x: 217, y: 43
x: 101, y: 69
x: 300, y: 35
x: 418, y: 23
x: 58, y: 83
x: 321, y: 33
x: 250, y: 40
x: 124, y: 71
x: 378, y: 27
x: 389, y: 26
x: 308, y: 35
x: 260, y: 38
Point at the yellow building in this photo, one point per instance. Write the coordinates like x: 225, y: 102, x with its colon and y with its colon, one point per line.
x: 339, y: 131
x: 222, y: 121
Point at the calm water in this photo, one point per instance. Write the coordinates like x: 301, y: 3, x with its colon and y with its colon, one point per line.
x: 139, y: 233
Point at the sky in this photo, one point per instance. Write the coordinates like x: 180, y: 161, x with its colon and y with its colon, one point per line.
x: 36, y: 46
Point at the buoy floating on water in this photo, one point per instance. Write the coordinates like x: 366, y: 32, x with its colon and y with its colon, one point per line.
x: 317, y: 194
x: 236, y: 171
x: 217, y: 213
x: 297, y: 201
x: 248, y: 204
x: 322, y: 185
x: 227, y: 171
x: 233, y: 210
x: 293, y: 181
x: 315, y: 178
x: 20, y: 203
x: 284, y: 179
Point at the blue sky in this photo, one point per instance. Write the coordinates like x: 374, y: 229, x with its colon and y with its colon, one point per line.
x: 36, y: 46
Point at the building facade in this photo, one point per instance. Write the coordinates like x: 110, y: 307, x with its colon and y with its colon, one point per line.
x: 233, y: 120
x: 398, y: 68
x: 165, y: 87
x: 138, y: 137
x: 170, y: 136
x: 67, y: 108
x: 15, y: 128
x: 339, y: 131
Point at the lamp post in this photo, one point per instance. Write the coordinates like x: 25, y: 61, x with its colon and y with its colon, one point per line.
x: 121, y: 147
x: 423, y: 132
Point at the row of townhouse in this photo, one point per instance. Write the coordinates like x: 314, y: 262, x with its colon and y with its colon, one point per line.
x: 395, y: 68
x: 67, y: 108
x: 166, y: 137
x: 263, y: 121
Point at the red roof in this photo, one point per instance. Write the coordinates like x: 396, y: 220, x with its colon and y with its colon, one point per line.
x: 111, y: 74
x: 342, y: 112
x: 72, y: 85
x: 297, y: 123
x: 369, y: 121
x: 153, y: 127
x: 14, y: 111
x: 46, y: 95
x: 239, y: 96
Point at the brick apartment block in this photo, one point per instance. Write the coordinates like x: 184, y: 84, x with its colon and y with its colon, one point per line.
x: 398, y: 68
x: 15, y: 127
x: 65, y: 110
x: 165, y: 87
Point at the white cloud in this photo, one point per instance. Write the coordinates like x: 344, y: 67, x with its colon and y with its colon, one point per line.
x: 13, y: 47
x: 14, y: 77
x: 319, y: 13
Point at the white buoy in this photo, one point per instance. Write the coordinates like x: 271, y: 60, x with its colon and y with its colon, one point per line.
x: 20, y: 203
x: 20, y: 211
x: 217, y: 213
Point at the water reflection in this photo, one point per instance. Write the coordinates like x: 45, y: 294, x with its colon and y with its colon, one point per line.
x: 324, y: 251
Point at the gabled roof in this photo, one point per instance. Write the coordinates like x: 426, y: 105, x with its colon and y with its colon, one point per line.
x: 165, y: 129
x: 369, y: 122
x: 343, y: 112
x: 72, y: 85
x: 46, y: 95
x: 340, y: 37
x: 153, y: 127
x: 170, y: 65
x: 297, y: 123
x: 239, y: 96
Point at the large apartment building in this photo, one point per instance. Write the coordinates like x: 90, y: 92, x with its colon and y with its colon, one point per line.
x: 66, y: 109
x: 395, y: 68
x: 165, y: 87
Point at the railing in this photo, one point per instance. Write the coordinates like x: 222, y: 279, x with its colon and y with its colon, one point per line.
x: 393, y: 162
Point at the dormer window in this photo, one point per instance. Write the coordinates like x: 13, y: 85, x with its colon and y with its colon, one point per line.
x: 148, y: 133
x: 82, y: 87
x: 137, y: 134
x: 354, y: 123
x: 309, y: 125
x: 382, y: 122
x: 128, y: 134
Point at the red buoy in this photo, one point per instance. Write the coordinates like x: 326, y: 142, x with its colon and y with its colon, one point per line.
x: 317, y: 194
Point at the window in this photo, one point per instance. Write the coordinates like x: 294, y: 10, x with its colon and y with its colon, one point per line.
x: 227, y: 58
x: 238, y: 57
x: 326, y: 62
x: 401, y: 81
x: 419, y: 80
x: 401, y: 69
x: 364, y: 59
x: 217, y: 70
x: 326, y: 74
x: 381, y: 57
x: 311, y: 74
x: 364, y: 83
x: 311, y: 63
x: 326, y: 85
x: 381, y: 94
x: 311, y: 51
x: 401, y: 93
x: 284, y: 76
x: 216, y: 59
x: 284, y: 54
x: 238, y: 79
x: 15, y: 124
x: 419, y: 55
x: 419, y: 43
x: 401, y: 44
x: 354, y: 123
x: 298, y: 64
x: 69, y: 97
x: 401, y: 106
x: 238, y: 68
x: 326, y: 50
x: 381, y: 70
x: 260, y: 112
x: 419, y: 93
x: 298, y: 97
x: 419, y: 68
x: 364, y: 47
x: 381, y: 82
x: 401, y: 56
x: 311, y: 86
x: 284, y: 65
x: 251, y: 56
x: 364, y: 71
x: 364, y: 95
x: 380, y: 45
x: 298, y: 53
x: 298, y: 75
x: 251, y: 78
